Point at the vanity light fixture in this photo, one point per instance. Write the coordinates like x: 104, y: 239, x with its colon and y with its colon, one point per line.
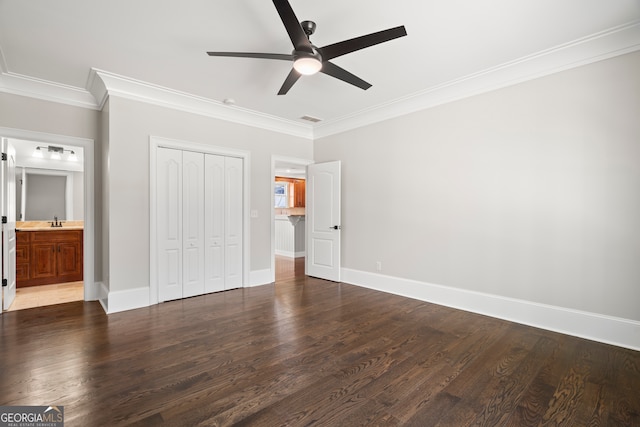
x: 55, y: 156
x: 55, y: 153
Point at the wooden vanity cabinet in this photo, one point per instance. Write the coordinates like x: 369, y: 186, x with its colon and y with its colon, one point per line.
x: 46, y: 257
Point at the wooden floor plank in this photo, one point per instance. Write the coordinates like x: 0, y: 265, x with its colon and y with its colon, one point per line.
x: 307, y: 351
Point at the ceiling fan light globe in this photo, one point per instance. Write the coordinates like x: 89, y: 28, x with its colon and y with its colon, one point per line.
x: 307, y: 65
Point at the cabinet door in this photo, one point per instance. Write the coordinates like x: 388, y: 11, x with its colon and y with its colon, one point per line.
x: 22, y: 258
x: 299, y: 191
x: 69, y: 260
x: 43, y: 260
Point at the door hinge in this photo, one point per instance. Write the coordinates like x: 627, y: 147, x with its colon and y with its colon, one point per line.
x: 4, y: 219
x: 5, y: 282
x: 4, y: 156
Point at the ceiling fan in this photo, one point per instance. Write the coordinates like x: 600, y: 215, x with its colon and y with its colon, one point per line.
x: 309, y: 59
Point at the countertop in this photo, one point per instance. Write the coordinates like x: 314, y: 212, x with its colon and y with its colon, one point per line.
x: 46, y: 226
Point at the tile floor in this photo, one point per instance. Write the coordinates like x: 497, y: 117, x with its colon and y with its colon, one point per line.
x: 38, y: 296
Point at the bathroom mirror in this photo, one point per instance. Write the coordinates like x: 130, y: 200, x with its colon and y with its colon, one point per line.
x: 43, y: 194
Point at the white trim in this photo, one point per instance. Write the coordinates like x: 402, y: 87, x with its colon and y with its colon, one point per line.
x: 596, y: 47
x: 592, y: 326
x: 276, y: 159
x: 102, y: 292
x: 290, y: 254
x: 156, y: 142
x: 22, y: 85
x: 260, y: 277
x: 137, y: 90
x: 90, y: 290
x: 128, y: 299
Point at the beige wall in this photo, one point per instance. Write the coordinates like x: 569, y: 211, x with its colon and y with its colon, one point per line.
x: 530, y: 192
x: 130, y: 125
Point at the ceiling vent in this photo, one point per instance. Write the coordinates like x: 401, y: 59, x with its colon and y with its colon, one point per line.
x: 311, y: 119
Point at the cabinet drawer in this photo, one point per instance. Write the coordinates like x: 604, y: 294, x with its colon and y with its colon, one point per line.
x: 56, y: 236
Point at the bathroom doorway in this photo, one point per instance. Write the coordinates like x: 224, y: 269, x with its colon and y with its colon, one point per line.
x: 26, y: 143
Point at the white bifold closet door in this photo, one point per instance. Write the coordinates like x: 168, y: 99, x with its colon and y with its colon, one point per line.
x: 223, y: 222
x: 199, y: 221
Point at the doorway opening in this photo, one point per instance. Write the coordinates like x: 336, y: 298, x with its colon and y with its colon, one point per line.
x: 288, y: 214
x: 77, y: 212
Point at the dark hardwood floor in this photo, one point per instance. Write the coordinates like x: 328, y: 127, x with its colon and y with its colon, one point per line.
x: 308, y: 351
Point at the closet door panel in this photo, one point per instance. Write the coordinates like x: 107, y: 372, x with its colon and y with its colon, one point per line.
x: 169, y: 223
x: 214, y: 223
x: 193, y: 223
x: 234, y: 220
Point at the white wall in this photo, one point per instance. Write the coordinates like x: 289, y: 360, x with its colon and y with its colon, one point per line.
x: 131, y: 123
x: 531, y: 192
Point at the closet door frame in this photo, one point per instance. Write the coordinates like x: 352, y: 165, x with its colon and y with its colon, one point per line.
x: 156, y: 142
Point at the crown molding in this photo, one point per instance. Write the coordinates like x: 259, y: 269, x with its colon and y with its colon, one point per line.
x: 32, y: 87
x: 101, y: 84
x: 607, y: 44
x: 117, y: 85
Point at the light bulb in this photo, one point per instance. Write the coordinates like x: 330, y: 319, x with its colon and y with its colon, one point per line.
x: 37, y: 153
x: 307, y: 65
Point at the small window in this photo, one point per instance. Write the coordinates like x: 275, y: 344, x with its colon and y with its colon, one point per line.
x: 281, y: 194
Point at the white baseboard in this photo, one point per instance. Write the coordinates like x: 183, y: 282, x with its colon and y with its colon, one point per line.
x: 597, y: 327
x: 127, y: 300
x: 103, y: 296
x: 92, y: 290
x: 259, y: 277
x: 289, y: 254
x: 116, y: 301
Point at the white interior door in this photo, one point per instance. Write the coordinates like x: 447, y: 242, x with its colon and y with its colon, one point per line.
x: 323, y: 220
x: 193, y: 224
x: 9, y: 229
x: 169, y: 223
x: 214, y: 223
x: 233, y: 201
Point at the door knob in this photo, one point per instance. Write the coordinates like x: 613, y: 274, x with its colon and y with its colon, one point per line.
x: 335, y: 227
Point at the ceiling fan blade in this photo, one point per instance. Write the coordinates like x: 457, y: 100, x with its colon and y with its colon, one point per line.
x: 333, y: 70
x: 281, y: 56
x: 289, y: 82
x: 296, y: 33
x: 341, y: 48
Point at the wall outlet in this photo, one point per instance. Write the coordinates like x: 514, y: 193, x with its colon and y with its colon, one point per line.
x: 378, y: 265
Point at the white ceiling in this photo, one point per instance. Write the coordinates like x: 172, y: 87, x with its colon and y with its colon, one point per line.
x: 454, y: 48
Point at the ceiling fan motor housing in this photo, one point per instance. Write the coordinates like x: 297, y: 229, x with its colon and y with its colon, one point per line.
x: 309, y: 27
